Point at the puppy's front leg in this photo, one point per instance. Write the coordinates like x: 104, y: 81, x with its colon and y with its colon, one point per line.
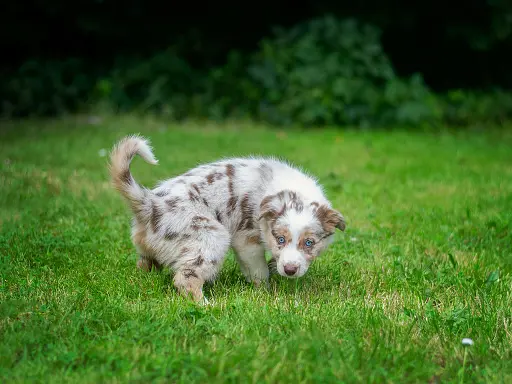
x: 251, y: 258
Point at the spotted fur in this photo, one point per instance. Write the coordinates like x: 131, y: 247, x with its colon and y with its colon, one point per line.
x: 189, y: 222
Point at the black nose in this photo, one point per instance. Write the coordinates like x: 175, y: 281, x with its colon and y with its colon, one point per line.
x: 290, y: 269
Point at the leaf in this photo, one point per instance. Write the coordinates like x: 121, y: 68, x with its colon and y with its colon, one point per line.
x: 493, y: 277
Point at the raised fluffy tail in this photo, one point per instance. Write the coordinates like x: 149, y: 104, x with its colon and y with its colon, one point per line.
x: 122, y: 155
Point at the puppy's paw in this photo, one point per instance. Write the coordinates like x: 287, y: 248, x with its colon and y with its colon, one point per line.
x: 261, y: 283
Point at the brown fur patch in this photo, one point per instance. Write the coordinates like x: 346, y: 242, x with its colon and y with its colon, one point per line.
x: 247, y: 214
x: 200, y: 222
x: 315, y: 204
x: 171, y: 235
x: 269, y: 211
x: 188, y: 273
x: 253, y: 239
x: 199, y: 261
x: 218, y: 216
x: 212, y: 177
x: 298, y: 205
x: 193, y: 197
x: 330, y: 219
x: 156, y: 217
x: 126, y: 177
x: 230, y: 170
x: 196, y: 188
x: 232, y: 204
x: 184, y: 251
x: 292, y: 199
x: 205, y: 202
x: 230, y: 173
x: 172, y: 204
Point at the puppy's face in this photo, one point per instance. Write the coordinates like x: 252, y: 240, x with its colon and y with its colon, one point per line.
x: 296, y: 232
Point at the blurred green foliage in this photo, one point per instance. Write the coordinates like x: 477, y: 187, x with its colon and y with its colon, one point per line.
x: 328, y: 71
x: 325, y: 71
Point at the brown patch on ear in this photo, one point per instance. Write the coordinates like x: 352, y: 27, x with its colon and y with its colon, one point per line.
x: 268, y: 210
x: 273, y: 206
x: 254, y: 239
x: 330, y: 219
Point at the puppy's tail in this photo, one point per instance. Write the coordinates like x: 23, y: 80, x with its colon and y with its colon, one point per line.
x: 122, y: 155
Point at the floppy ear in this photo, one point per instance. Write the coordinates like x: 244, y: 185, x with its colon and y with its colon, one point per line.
x: 271, y: 207
x: 330, y: 219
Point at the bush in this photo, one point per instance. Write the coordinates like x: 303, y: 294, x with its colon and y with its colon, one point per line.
x: 163, y: 84
x: 322, y: 72
x: 45, y: 88
x: 465, y: 107
x: 328, y: 71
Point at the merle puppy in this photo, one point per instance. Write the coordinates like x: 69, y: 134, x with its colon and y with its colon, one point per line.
x: 189, y: 222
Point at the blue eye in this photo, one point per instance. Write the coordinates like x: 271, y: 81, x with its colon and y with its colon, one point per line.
x: 309, y: 243
x: 280, y: 240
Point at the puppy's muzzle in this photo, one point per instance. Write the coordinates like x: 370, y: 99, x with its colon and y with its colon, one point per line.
x: 291, y: 269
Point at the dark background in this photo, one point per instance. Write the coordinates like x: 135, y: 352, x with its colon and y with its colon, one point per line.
x: 453, y: 43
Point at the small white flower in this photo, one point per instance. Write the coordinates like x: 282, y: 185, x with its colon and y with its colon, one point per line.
x: 467, y: 341
x: 102, y: 152
x: 353, y: 239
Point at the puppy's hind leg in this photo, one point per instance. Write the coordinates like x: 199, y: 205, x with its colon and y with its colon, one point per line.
x: 147, y: 264
x: 146, y: 259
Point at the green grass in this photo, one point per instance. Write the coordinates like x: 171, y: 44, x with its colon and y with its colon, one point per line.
x: 426, y: 260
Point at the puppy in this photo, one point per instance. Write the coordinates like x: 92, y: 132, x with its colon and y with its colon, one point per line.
x: 189, y: 222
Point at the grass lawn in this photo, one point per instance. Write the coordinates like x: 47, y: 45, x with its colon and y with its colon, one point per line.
x: 426, y: 261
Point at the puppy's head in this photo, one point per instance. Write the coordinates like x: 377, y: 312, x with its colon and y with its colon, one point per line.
x: 297, y: 231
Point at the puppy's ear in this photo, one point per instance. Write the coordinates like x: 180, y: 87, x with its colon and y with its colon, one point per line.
x: 271, y: 207
x: 330, y: 219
